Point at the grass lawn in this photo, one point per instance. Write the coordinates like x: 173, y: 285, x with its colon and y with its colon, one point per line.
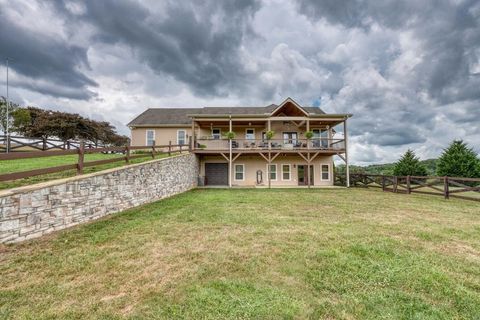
x: 251, y: 253
x: 9, y: 166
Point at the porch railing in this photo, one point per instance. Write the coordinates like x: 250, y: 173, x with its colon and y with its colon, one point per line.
x: 274, y: 144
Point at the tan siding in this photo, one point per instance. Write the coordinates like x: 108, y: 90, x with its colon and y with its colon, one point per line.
x: 162, y: 135
x: 255, y: 162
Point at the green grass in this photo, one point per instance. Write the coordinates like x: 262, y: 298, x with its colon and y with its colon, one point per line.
x: 9, y: 166
x: 256, y: 254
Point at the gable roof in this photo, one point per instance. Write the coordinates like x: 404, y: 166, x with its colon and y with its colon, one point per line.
x: 181, y: 116
x: 287, y: 102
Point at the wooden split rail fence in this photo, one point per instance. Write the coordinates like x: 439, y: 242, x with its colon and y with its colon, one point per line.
x: 431, y: 185
x: 18, y: 143
x: 153, y: 150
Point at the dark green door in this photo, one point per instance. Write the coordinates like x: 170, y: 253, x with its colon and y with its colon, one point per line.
x: 302, y: 176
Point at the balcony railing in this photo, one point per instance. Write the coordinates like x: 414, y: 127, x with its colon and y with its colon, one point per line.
x: 274, y: 144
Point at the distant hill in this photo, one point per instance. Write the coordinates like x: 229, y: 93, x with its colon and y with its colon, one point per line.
x: 387, y: 168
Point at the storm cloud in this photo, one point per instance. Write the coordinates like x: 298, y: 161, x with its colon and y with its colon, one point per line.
x: 409, y: 70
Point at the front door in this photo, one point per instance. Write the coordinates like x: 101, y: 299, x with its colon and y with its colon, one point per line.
x: 302, y: 175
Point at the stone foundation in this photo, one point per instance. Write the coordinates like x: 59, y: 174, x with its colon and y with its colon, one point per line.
x: 32, y: 211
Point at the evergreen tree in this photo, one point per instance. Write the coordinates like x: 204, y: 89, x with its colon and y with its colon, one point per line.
x: 409, y: 165
x: 458, y: 160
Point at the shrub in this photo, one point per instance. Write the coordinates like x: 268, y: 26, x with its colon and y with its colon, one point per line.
x: 409, y: 165
x: 458, y: 160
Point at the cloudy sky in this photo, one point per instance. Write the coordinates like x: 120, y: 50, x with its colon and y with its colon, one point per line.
x: 409, y: 71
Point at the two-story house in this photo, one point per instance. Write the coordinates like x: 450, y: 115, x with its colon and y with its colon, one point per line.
x: 276, y: 145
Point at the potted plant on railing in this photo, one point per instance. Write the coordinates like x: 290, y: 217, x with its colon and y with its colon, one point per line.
x: 269, y: 134
x: 230, y: 135
x: 309, y: 135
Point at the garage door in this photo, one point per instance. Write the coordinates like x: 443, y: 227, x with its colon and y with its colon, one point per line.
x: 216, y: 174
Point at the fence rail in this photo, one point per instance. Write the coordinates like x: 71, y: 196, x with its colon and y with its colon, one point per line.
x: 19, y: 143
x: 447, y: 187
x: 153, y: 150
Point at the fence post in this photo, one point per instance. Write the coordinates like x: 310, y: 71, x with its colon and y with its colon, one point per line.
x: 180, y: 148
x: 44, y: 144
x: 169, y: 148
x: 383, y: 182
x: 153, y: 149
x: 127, y: 153
x: 81, y: 157
x: 446, y: 191
x: 408, y: 185
x: 395, y: 183
x: 8, y: 144
x: 190, y: 144
x: 68, y: 144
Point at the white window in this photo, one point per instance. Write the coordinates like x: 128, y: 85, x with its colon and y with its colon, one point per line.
x: 181, y: 137
x: 325, y: 172
x: 250, y: 134
x: 273, y: 172
x: 150, y: 137
x: 286, y: 176
x: 290, y: 137
x: 239, y: 172
x: 216, y: 134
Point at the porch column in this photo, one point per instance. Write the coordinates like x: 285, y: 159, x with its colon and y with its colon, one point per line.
x: 230, y: 165
x: 345, y: 137
x: 269, y: 125
x: 308, y: 140
x: 308, y: 171
x: 193, y: 133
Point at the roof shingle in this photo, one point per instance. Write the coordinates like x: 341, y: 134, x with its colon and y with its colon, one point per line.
x: 173, y: 116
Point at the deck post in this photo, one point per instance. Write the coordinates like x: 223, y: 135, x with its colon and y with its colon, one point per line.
x: 230, y: 165
x: 193, y: 134
x: 268, y: 169
x: 345, y: 139
x: 308, y: 171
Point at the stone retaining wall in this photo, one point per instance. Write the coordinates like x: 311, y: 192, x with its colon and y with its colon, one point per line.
x: 32, y: 211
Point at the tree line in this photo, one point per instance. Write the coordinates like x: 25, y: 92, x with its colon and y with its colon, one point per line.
x: 457, y: 160
x: 32, y: 122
